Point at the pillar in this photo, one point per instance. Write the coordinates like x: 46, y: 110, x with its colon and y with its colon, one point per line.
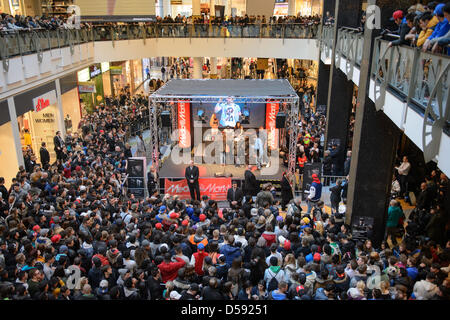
x: 212, y: 4
x: 198, y: 68
x: 323, y: 83
x: 196, y: 8
x: 213, y: 67
x: 339, y: 108
x: 60, y: 112
x: 340, y: 90
x: 291, y: 8
x: 228, y: 8
x: 375, y: 142
x: 165, y: 8
x: 15, y: 131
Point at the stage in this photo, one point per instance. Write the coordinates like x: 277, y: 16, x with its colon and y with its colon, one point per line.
x: 175, y: 171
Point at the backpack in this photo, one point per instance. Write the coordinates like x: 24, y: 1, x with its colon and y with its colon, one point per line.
x: 273, y: 283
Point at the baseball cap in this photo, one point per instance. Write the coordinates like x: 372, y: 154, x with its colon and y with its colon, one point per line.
x: 201, y: 246
x: 254, y: 212
x: 202, y: 217
x: 56, y: 238
x: 174, y: 215
x: 317, y: 256
x: 162, y: 209
x: 158, y: 226
x: 185, y: 222
x: 397, y: 15
x: 175, y: 295
x: 439, y: 10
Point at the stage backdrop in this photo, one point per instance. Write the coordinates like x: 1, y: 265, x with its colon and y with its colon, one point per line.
x: 215, y: 188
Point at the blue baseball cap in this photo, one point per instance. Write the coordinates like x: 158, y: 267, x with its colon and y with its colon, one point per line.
x: 439, y: 10
x: 162, y: 209
x: 201, y: 246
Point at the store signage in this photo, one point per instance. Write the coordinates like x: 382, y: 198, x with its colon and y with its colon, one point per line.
x: 115, y: 69
x: 176, y: 2
x: 86, y: 87
x: 184, y: 124
x: 83, y: 75
x: 45, y: 100
x: 215, y: 188
x: 47, y: 117
x: 94, y: 71
x: 271, y: 121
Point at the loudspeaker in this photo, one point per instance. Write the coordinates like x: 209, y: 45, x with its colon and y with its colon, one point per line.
x: 165, y: 119
x: 280, y: 120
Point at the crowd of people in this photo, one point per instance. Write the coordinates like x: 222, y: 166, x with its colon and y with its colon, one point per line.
x: 10, y: 22
x: 69, y: 230
x: 425, y: 27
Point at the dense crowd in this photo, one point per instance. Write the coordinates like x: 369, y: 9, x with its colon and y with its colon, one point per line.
x: 69, y: 230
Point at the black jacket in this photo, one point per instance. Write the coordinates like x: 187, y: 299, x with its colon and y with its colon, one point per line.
x: 45, y: 155
x: 238, y: 195
x: 192, y: 174
x: 250, y: 184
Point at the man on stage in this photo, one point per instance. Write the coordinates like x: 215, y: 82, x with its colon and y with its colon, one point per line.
x: 192, y: 175
x: 250, y: 183
x: 229, y: 111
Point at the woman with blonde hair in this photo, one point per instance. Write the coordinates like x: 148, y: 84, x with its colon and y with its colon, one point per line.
x: 289, y: 267
x: 358, y: 292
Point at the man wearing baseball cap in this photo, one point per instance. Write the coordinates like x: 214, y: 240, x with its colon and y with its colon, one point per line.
x: 315, y: 192
x: 442, y: 28
x: 403, y: 27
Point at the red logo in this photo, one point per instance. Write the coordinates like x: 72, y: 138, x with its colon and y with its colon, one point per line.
x: 214, y: 188
x: 184, y: 124
x: 271, y: 118
x: 42, y: 103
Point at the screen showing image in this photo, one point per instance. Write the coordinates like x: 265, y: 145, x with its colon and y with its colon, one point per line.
x: 226, y: 114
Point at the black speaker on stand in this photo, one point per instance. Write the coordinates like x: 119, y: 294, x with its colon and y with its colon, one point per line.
x: 280, y: 120
x: 165, y: 119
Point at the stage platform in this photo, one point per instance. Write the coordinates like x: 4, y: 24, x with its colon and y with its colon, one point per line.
x: 175, y: 171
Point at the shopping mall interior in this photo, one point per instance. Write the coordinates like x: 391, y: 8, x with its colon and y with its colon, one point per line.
x: 224, y: 149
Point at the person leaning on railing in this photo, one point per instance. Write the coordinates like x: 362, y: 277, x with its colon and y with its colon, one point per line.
x: 442, y: 12
x: 403, y: 29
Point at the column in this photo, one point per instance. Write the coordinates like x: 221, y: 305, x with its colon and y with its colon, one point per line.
x: 291, y: 8
x: 165, y: 8
x: 213, y: 67
x: 228, y: 6
x: 340, y: 91
x: 375, y: 141
x: 339, y: 108
x: 132, y: 86
x: 198, y: 68
x: 323, y: 83
x: 196, y: 8
x: 212, y: 4
x: 60, y: 112
x: 15, y: 131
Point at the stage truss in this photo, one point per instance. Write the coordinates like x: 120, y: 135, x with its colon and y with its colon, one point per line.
x: 156, y: 101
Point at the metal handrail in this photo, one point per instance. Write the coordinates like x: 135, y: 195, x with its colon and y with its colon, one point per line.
x: 20, y: 42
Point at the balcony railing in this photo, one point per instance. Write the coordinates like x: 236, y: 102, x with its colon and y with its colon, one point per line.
x: 421, y: 79
x: 22, y: 42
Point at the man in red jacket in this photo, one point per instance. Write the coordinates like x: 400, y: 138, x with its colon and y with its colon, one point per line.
x: 169, y: 269
x: 198, y: 257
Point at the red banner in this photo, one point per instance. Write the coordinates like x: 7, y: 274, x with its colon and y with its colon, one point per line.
x: 271, y: 121
x: 214, y: 188
x: 184, y: 124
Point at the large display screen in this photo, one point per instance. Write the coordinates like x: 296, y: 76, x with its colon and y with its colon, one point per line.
x: 226, y: 114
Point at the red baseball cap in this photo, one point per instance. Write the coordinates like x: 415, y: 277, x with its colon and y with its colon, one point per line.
x: 36, y: 228
x: 185, y: 222
x: 316, y: 256
x: 287, y: 245
x: 202, y: 217
x: 397, y: 15
x: 158, y: 226
x: 174, y: 215
x: 56, y: 238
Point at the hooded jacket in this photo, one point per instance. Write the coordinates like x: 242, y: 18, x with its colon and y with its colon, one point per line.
x: 342, y: 283
x: 230, y: 253
x: 197, y: 261
x: 425, y: 34
x: 270, y: 237
x: 277, y: 295
x: 355, y: 294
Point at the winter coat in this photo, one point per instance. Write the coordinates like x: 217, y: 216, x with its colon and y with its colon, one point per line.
x: 230, y: 253
x: 424, y: 290
x: 169, y: 271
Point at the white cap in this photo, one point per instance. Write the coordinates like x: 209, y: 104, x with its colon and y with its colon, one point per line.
x: 175, y: 295
x: 103, y: 284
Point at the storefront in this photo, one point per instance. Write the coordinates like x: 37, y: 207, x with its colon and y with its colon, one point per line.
x: 301, y: 7
x: 70, y: 102
x: 38, y: 118
x: 8, y: 155
x: 94, y: 75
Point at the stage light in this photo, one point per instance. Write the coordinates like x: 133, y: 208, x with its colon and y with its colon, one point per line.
x: 246, y: 113
x: 200, y: 113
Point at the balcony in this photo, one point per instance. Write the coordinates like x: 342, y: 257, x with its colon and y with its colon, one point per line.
x: 29, y: 58
x: 410, y: 86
